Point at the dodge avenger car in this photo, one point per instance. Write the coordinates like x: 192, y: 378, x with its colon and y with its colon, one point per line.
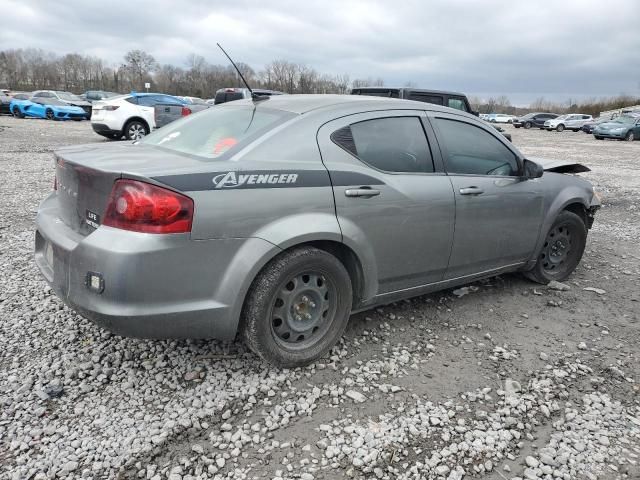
x: 276, y: 219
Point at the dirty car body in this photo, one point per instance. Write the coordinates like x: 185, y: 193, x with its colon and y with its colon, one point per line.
x: 376, y: 184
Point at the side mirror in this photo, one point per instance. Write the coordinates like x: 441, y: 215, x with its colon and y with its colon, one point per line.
x: 477, y: 114
x: 531, y: 169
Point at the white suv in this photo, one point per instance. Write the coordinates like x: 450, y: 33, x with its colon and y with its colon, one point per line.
x: 570, y: 121
x: 131, y: 116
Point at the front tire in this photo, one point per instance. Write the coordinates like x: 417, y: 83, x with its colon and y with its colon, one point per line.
x: 527, y: 125
x: 17, y: 112
x: 135, y: 130
x: 49, y: 114
x: 560, y: 128
x: 297, y: 307
x: 629, y: 137
x: 561, y: 251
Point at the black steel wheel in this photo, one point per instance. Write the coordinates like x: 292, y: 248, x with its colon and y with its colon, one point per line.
x: 297, y: 308
x: 562, y: 249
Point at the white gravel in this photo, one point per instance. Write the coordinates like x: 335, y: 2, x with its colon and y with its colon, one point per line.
x: 501, y: 379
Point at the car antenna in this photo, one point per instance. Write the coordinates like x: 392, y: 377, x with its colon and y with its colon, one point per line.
x: 254, y: 96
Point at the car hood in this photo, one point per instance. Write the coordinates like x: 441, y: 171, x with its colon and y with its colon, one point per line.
x: 559, y: 166
x: 611, y: 125
x: 78, y: 103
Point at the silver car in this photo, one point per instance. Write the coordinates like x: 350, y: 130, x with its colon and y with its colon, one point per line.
x: 278, y: 218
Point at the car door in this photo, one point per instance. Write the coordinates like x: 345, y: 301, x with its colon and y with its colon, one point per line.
x: 392, y: 198
x: 498, y: 214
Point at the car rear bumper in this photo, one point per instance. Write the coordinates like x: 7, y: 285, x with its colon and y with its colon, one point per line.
x: 104, y: 129
x: 149, y: 286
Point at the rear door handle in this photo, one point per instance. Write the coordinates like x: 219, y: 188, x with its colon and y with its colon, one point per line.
x: 366, y: 192
x: 471, y: 191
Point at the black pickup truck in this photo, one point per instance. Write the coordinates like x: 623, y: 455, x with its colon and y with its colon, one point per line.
x: 455, y: 100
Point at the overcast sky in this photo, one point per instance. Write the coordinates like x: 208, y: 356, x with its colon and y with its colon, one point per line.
x: 524, y: 49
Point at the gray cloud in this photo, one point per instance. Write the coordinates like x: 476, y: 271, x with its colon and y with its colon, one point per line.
x: 576, y: 48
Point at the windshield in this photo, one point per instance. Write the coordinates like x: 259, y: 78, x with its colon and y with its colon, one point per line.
x: 68, y: 96
x: 214, y: 131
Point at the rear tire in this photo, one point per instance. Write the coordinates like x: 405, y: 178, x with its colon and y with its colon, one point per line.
x: 135, y: 130
x: 297, y: 307
x: 561, y: 251
x: 597, y: 137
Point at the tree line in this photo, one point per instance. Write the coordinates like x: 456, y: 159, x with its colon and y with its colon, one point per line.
x: 592, y: 106
x: 32, y: 69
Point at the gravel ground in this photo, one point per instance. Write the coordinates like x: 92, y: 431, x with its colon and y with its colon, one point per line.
x: 504, y: 379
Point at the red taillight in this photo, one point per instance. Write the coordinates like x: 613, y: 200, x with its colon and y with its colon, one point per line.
x: 186, y: 111
x: 142, y: 207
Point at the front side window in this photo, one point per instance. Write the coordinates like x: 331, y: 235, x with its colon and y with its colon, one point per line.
x: 471, y: 150
x: 213, y: 132
x: 393, y: 144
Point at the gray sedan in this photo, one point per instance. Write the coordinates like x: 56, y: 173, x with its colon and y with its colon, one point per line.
x: 278, y: 218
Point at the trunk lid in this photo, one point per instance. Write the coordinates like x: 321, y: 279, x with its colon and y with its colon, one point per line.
x: 85, y: 175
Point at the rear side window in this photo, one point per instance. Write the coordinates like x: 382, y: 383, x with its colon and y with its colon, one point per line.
x: 471, y: 150
x: 393, y: 144
x: 458, y: 104
x: 215, y: 131
x: 133, y: 100
x: 421, y: 97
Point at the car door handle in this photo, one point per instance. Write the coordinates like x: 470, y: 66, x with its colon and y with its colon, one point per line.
x: 471, y: 191
x: 366, y: 192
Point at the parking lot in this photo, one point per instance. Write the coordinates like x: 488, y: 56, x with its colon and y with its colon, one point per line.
x: 499, y: 380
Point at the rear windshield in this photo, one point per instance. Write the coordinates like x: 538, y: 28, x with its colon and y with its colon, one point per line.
x: 213, y: 132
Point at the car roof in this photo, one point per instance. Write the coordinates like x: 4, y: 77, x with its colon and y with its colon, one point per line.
x: 303, y: 103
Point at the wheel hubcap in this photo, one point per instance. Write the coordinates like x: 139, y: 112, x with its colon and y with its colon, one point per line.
x: 136, y: 132
x: 557, y: 248
x: 303, y: 309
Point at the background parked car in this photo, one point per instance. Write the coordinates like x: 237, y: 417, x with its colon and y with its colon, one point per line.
x: 589, y: 126
x: 570, y: 121
x: 95, y: 95
x: 533, y: 120
x: 167, y: 113
x: 224, y: 95
x: 49, y: 108
x: 625, y: 127
x: 500, y: 118
x: 65, y: 97
x: 5, y: 100
x: 131, y: 116
x: 455, y: 100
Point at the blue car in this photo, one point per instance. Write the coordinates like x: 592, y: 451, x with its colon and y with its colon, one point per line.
x: 49, y: 108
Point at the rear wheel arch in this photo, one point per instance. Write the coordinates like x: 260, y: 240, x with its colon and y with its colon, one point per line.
x: 135, y: 119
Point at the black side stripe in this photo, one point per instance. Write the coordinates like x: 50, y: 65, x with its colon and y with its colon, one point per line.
x: 255, y: 179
